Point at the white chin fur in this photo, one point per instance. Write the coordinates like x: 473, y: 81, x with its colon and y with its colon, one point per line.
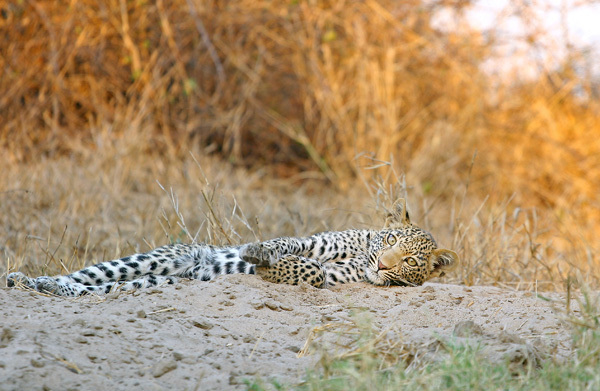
x: 374, y: 278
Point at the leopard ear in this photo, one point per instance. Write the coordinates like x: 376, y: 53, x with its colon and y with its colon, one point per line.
x: 443, y: 261
x: 398, y: 217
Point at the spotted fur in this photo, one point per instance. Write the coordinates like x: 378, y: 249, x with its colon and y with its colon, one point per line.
x: 399, y: 254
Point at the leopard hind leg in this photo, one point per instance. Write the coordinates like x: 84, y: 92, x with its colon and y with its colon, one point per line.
x: 64, y: 286
x: 155, y: 267
x: 54, y: 286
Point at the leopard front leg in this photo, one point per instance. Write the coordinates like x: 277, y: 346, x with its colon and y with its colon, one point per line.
x: 293, y: 269
x: 269, y: 252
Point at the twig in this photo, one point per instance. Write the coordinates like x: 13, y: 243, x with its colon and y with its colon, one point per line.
x: 256, y: 344
x: 209, y: 46
x: 163, y: 310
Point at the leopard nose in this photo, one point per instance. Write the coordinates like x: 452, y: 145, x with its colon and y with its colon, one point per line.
x: 381, y: 266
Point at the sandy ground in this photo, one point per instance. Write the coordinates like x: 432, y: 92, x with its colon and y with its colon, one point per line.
x: 214, y: 335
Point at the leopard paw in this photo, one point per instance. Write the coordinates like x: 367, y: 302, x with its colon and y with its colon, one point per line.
x: 47, y: 285
x: 18, y: 279
x: 260, y: 254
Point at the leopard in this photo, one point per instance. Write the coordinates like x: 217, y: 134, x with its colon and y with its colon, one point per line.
x: 399, y: 254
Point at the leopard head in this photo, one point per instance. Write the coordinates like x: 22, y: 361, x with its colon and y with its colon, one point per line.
x: 404, y: 254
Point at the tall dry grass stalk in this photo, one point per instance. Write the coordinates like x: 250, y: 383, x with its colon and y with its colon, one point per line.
x: 344, y: 92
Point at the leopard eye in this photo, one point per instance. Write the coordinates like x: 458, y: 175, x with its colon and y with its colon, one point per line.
x: 411, y: 262
x: 391, y: 239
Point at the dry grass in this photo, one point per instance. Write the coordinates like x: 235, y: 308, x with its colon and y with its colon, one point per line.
x: 100, y: 100
x: 58, y: 216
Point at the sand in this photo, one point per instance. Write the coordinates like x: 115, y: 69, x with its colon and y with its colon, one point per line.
x: 215, y: 335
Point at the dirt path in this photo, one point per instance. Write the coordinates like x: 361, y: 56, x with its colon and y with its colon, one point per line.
x: 212, y: 336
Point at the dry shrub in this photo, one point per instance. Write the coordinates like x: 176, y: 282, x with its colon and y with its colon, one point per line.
x: 319, y: 80
x: 340, y: 90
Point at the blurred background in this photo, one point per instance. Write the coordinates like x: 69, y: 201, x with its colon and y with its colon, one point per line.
x: 270, y: 118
